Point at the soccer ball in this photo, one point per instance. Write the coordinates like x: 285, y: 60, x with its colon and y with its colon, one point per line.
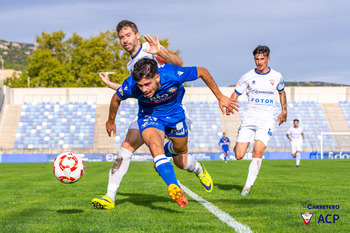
x: 68, y: 167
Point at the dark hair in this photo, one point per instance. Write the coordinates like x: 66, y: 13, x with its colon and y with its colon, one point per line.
x: 296, y: 120
x: 262, y: 49
x: 126, y: 23
x: 144, y: 68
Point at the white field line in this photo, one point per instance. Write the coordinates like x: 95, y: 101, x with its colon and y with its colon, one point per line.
x: 223, y: 216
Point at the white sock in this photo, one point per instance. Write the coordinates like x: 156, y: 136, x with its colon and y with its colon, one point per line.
x: 298, y: 159
x: 119, y: 171
x: 254, y: 169
x: 193, y: 166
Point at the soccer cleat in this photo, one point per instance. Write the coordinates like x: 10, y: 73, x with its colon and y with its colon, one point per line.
x: 245, y: 191
x: 206, y: 179
x: 104, y: 202
x: 178, y: 195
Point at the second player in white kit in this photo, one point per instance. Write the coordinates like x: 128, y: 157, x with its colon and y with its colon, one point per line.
x: 296, y: 136
x: 258, y: 124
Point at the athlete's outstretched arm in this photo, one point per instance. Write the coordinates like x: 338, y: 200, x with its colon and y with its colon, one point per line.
x: 113, y: 109
x: 108, y: 82
x: 155, y: 48
x: 283, y: 116
x: 224, y: 101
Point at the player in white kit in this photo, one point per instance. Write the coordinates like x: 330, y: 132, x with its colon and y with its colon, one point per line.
x: 296, y: 136
x: 258, y: 123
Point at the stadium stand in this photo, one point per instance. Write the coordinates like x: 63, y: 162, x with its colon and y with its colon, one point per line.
x: 206, y: 124
x: 47, y: 120
x: 56, y: 125
x: 345, y: 106
x: 311, y: 119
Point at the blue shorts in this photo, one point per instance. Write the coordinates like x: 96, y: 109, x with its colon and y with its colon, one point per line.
x: 178, y: 129
x: 225, y: 149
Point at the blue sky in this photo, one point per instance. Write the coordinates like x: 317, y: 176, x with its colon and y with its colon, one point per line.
x: 309, y: 40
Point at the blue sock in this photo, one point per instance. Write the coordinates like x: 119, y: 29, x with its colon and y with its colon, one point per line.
x: 225, y: 157
x: 165, y: 169
x: 169, y: 150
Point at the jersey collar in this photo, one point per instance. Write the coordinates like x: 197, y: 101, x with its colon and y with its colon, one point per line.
x: 137, y: 52
x: 263, y: 73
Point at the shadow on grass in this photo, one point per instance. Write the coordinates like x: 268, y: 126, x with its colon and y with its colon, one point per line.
x: 70, y: 211
x: 147, y: 200
x: 229, y: 187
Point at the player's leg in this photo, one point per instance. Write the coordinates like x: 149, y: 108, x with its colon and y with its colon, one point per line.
x: 244, y: 137
x: 262, y: 136
x: 241, y: 149
x: 254, y: 167
x: 294, y: 149
x: 154, y: 139
x: 131, y: 143
x: 178, y: 135
x: 187, y: 162
x: 225, y: 155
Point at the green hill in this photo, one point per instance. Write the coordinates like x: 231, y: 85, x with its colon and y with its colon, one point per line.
x: 15, y: 54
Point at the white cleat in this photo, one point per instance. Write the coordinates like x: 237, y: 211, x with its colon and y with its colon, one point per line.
x: 245, y: 191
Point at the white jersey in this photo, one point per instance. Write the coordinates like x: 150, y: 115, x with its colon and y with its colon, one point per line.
x: 261, y: 92
x: 142, y: 54
x: 295, y: 134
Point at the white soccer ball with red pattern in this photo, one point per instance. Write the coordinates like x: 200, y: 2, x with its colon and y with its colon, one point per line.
x: 68, y: 167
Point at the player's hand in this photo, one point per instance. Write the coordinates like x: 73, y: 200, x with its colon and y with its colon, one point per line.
x: 155, y: 47
x: 282, y: 118
x: 227, y: 105
x: 111, y: 127
x: 105, y: 78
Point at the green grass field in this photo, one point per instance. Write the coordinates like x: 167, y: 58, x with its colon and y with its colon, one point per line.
x: 33, y: 200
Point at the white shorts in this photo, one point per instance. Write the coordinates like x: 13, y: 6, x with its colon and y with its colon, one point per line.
x: 252, y: 132
x: 296, y: 146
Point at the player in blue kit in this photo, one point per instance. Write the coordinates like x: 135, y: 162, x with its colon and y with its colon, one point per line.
x: 159, y: 95
x: 225, y: 144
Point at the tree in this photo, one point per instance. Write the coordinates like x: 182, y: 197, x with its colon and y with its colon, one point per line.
x: 75, y: 62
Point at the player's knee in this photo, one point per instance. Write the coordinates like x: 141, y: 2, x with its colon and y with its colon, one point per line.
x: 155, y: 147
x: 257, y: 154
x: 239, y: 156
x: 129, y: 145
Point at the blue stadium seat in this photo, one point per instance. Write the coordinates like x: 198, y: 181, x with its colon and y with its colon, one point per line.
x: 42, y: 122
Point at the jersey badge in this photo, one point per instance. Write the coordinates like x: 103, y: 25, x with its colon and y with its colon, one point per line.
x: 180, y: 73
x: 272, y: 81
x: 253, y: 82
x: 172, y: 89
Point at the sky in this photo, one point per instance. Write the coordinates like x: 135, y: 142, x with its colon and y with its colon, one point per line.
x: 309, y: 40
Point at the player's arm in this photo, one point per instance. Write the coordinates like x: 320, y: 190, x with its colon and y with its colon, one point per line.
x: 224, y: 101
x: 108, y: 82
x: 302, y: 134
x: 166, y: 56
x: 287, y: 135
x: 113, y: 109
x: 283, y: 115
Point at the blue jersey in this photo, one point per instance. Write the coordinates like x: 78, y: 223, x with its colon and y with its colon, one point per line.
x: 166, y: 103
x: 224, y: 142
